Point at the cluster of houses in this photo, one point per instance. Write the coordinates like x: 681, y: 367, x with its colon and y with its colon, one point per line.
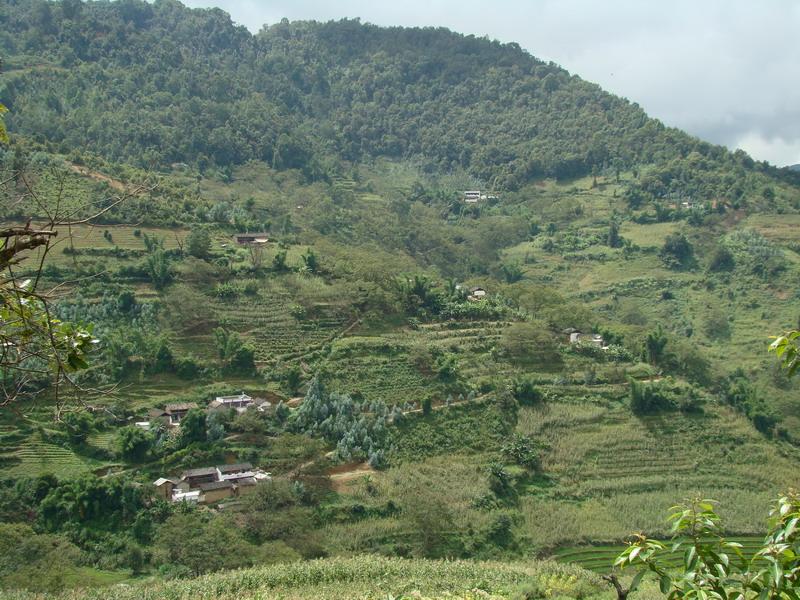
x: 209, y: 485
x: 172, y: 413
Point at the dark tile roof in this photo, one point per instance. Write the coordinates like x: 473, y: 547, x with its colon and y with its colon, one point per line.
x: 236, y: 468
x: 155, y: 413
x: 215, y: 485
x: 180, y: 406
x: 199, y: 472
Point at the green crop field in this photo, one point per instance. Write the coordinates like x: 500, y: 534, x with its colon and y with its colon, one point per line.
x: 359, y: 577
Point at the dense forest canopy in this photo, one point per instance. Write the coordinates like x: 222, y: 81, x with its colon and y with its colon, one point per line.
x: 155, y: 84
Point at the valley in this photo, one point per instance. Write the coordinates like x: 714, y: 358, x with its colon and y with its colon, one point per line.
x: 452, y: 392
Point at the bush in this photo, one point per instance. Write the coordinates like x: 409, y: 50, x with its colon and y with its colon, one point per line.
x: 677, y: 252
x: 525, y: 392
x: 521, y: 449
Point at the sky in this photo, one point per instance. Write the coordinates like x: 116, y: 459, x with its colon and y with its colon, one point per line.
x: 727, y: 71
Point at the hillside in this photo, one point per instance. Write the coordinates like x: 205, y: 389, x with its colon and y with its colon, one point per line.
x: 297, y: 93
x: 429, y: 395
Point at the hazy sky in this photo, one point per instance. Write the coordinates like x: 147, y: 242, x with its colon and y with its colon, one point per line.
x: 727, y: 71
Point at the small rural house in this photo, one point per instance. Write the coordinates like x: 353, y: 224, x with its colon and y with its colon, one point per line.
x: 476, y: 293
x: 240, y: 403
x: 251, y: 238
x: 170, y: 415
x: 208, y: 485
x: 595, y: 339
x: 471, y: 196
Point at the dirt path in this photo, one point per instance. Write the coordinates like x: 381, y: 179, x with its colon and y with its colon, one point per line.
x: 97, y: 176
x: 341, y: 476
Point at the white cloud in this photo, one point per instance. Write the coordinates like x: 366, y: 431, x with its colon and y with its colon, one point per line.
x: 775, y: 150
x: 724, y: 70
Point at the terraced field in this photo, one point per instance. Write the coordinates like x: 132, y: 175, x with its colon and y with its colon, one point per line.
x: 476, y: 336
x: 109, y: 237
x: 599, y: 558
x: 102, y: 439
x: 269, y: 325
x: 32, y: 457
x: 607, y: 473
x: 393, y: 379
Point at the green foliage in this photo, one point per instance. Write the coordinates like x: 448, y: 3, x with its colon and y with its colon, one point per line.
x: 530, y: 344
x: 3, y: 133
x: 198, y: 243
x: 722, y: 260
x: 159, y: 269
x: 237, y: 356
x: 754, y: 252
x: 198, y: 544
x: 310, y: 261
x: 316, y: 87
x: 193, y: 427
x: 77, y: 425
x: 34, y: 561
x: 714, y: 567
x: 133, y: 443
x: 279, y: 261
x: 677, y: 252
x: 739, y: 392
x: 525, y: 391
x: 512, y: 272
x: 653, y: 398
x: 522, y: 450
x: 356, y: 429
x: 785, y: 348
x: 90, y: 499
x: 614, y: 239
x: 654, y: 346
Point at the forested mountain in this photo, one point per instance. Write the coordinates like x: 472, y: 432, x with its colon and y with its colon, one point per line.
x: 269, y: 262
x: 155, y: 84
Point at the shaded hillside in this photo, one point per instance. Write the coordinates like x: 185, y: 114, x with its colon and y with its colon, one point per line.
x: 158, y: 84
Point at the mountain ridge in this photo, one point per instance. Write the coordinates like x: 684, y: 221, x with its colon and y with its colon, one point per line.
x: 296, y: 91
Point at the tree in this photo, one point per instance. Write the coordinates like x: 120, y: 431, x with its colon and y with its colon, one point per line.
x: 530, y: 343
x: 676, y: 252
x: 198, y: 243
x: 78, y: 425
x: 310, y: 261
x: 713, y: 567
x: 192, y: 541
x: 279, y: 261
x: 159, y: 269
x: 722, y: 260
x: 133, y: 443
x: 512, y: 272
x: 193, y: 427
x: 654, y: 345
x: 613, y: 239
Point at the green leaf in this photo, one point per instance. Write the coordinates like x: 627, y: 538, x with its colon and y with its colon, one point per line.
x: 664, y: 583
x: 777, y: 573
x: 636, y: 579
x: 689, y: 556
